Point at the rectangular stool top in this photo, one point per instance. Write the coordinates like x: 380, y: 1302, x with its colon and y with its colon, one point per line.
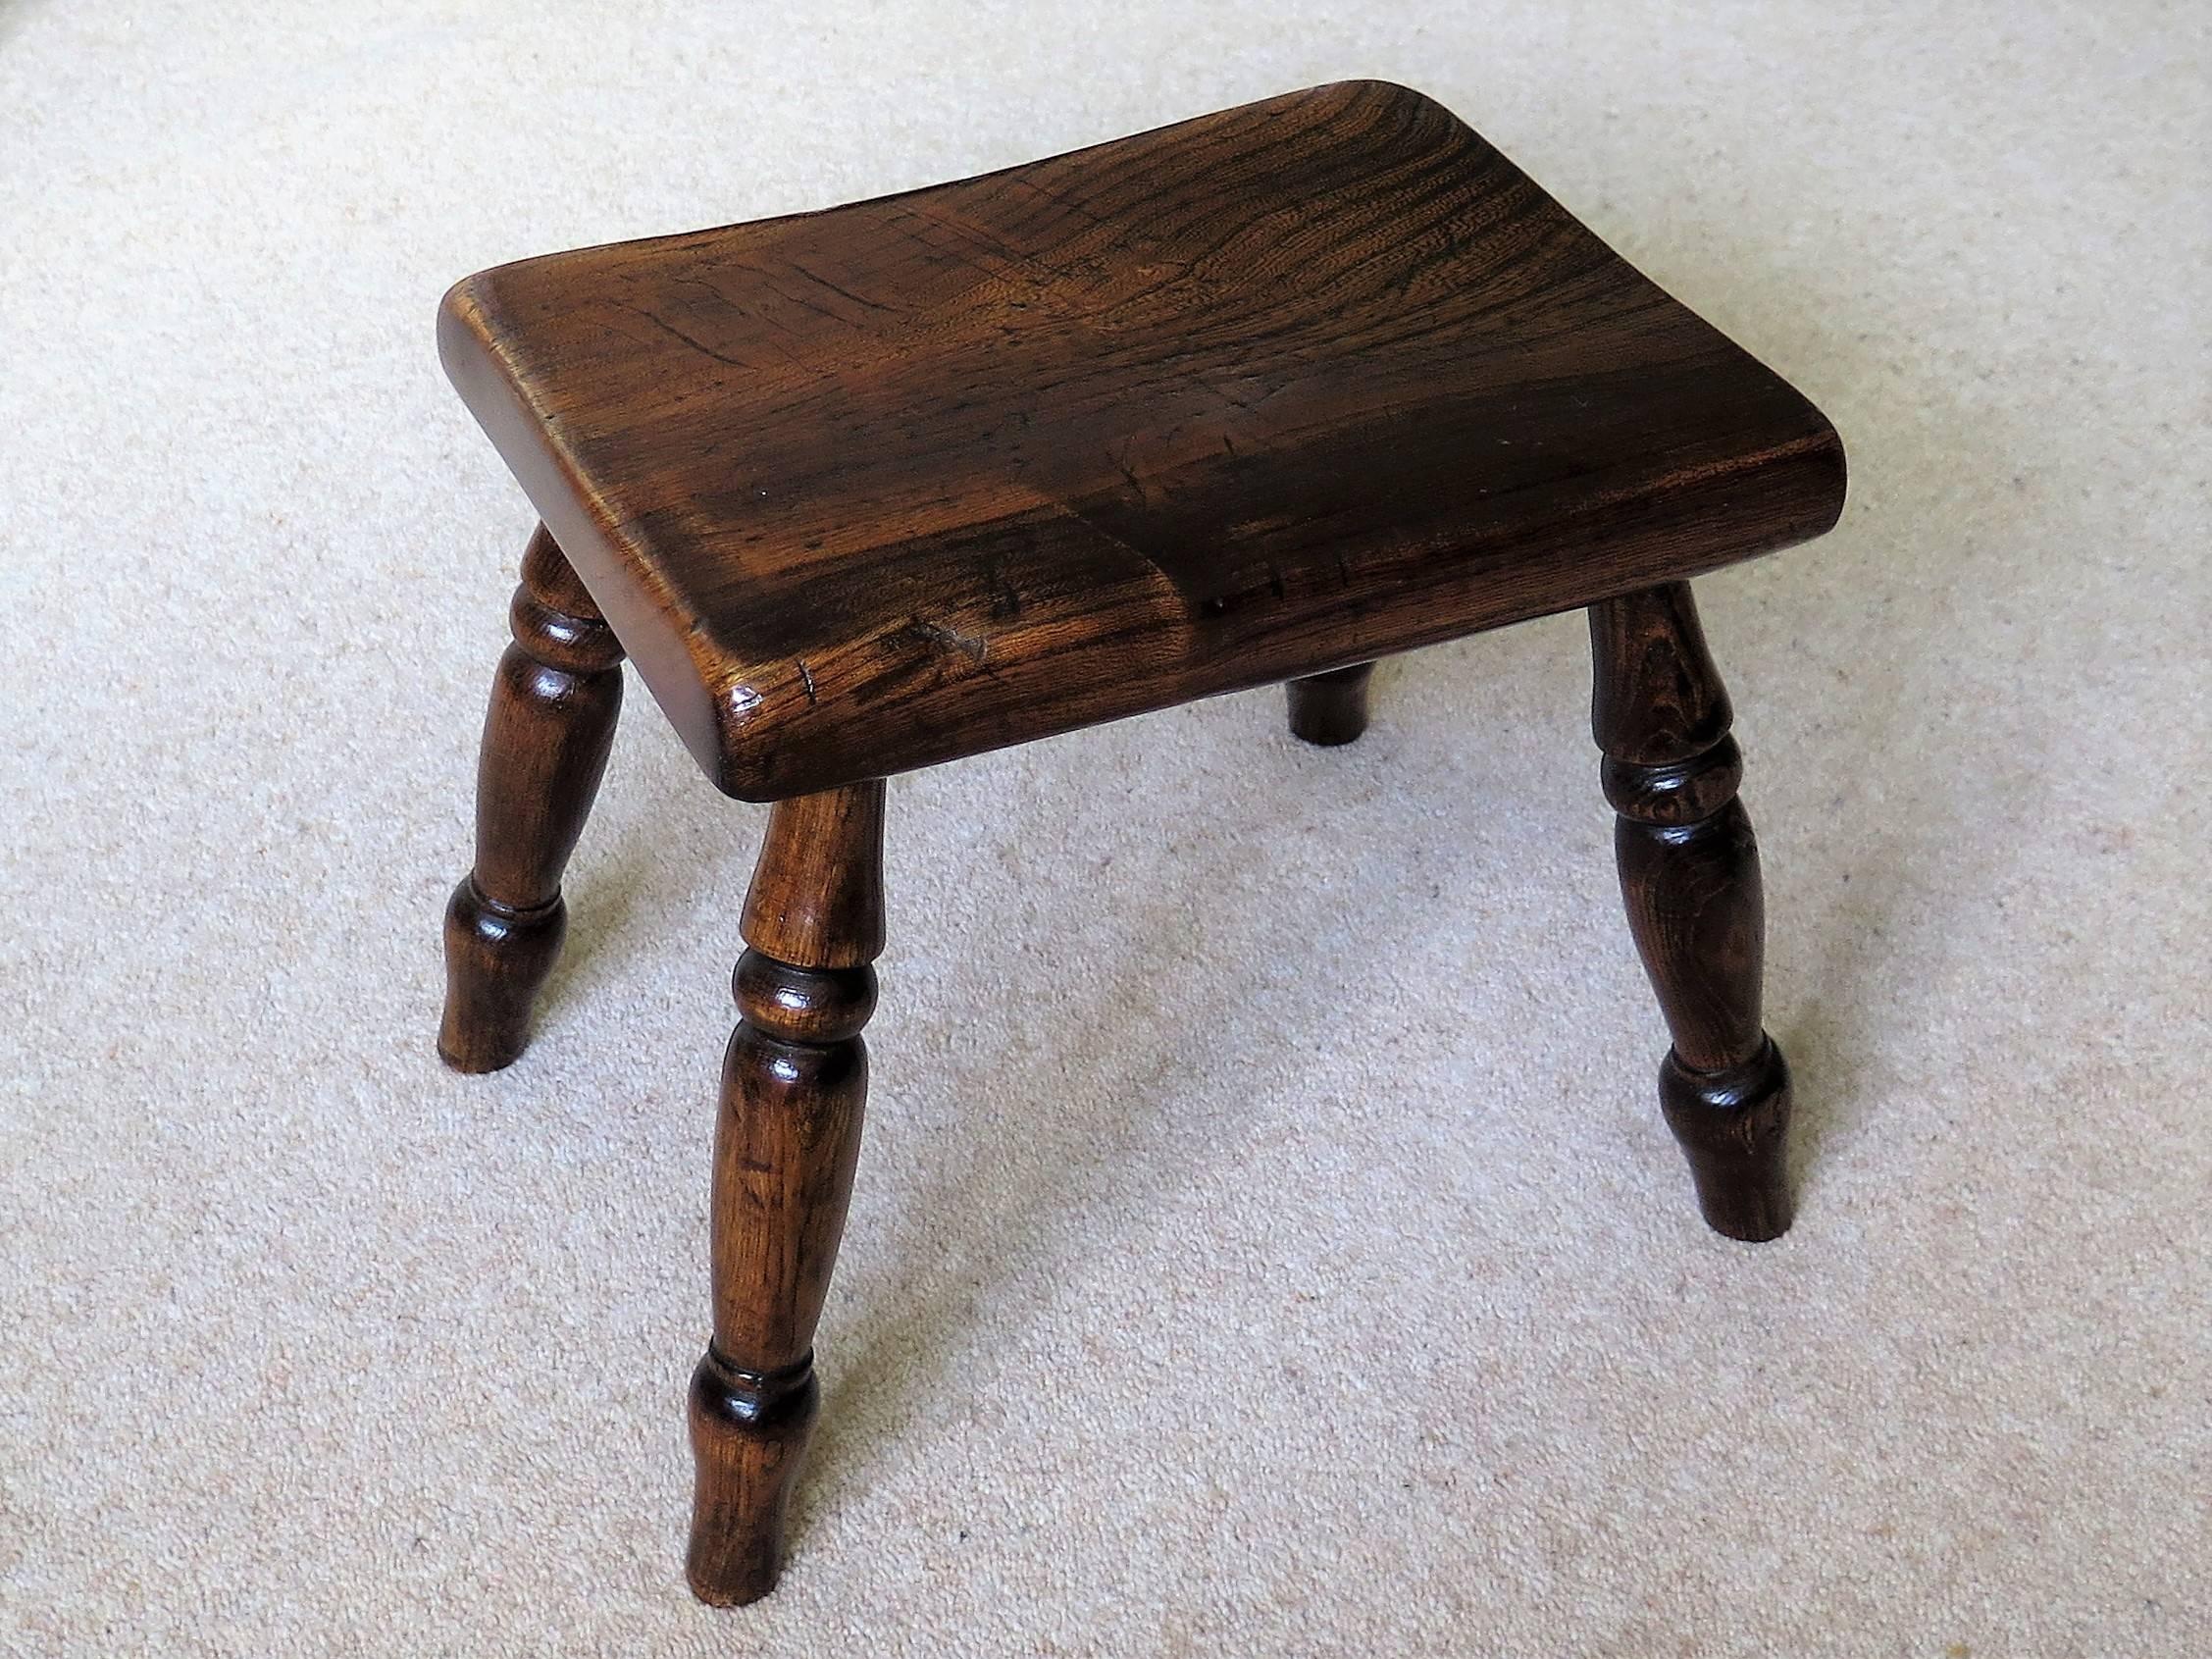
x: 1281, y: 388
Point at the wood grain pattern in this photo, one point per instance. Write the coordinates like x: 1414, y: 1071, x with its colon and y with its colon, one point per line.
x: 794, y: 1082
x: 1244, y: 399
x: 546, y: 737
x: 1689, y: 875
x: 1259, y: 397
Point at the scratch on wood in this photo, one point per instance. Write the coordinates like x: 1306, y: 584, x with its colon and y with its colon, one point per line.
x: 666, y: 327
x: 857, y: 299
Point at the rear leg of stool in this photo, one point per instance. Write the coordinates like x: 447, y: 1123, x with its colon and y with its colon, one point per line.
x: 1330, y: 708
x: 1689, y: 874
x: 545, y: 741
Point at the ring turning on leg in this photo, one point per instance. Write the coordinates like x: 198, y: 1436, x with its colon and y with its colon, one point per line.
x: 1689, y: 874
x: 787, y: 1136
x: 545, y: 741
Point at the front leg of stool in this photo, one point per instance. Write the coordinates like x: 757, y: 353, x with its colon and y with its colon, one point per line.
x: 794, y: 1084
x: 545, y: 742
x: 1330, y: 708
x: 1689, y: 873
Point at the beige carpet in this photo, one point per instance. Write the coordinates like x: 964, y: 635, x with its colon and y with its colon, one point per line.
x: 1267, y: 1242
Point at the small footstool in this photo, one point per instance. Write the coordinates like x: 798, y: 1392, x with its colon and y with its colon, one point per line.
x: 1255, y: 398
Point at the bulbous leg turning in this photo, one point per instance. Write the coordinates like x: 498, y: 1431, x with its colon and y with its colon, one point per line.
x: 546, y: 736
x: 1689, y: 876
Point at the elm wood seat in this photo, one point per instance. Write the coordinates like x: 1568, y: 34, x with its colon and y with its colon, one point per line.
x: 1275, y: 391
x: 1258, y: 397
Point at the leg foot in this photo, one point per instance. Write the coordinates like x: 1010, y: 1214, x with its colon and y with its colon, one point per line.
x: 1733, y: 1127
x: 1330, y: 708
x: 1689, y: 876
x: 545, y: 741
x: 495, y: 959
x: 748, y: 1434
x: 794, y: 1082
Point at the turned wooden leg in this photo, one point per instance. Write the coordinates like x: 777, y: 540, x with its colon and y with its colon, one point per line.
x: 1689, y: 873
x: 545, y: 742
x: 1330, y: 708
x: 794, y: 1083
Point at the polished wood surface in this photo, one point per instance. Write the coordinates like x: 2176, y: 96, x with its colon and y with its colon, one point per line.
x: 1249, y: 398
x: 1260, y: 397
x: 546, y: 735
x: 1689, y: 874
x: 794, y: 1084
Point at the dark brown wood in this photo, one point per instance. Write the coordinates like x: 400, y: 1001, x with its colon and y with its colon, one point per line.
x: 1259, y: 397
x: 1286, y: 388
x: 1689, y: 874
x: 1330, y: 708
x: 794, y: 1084
x: 546, y: 736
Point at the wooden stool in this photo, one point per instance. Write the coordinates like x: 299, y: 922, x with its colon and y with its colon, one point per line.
x: 1258, y: 397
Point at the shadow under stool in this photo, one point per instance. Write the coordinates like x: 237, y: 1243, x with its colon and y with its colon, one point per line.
x: 1260, y: 397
